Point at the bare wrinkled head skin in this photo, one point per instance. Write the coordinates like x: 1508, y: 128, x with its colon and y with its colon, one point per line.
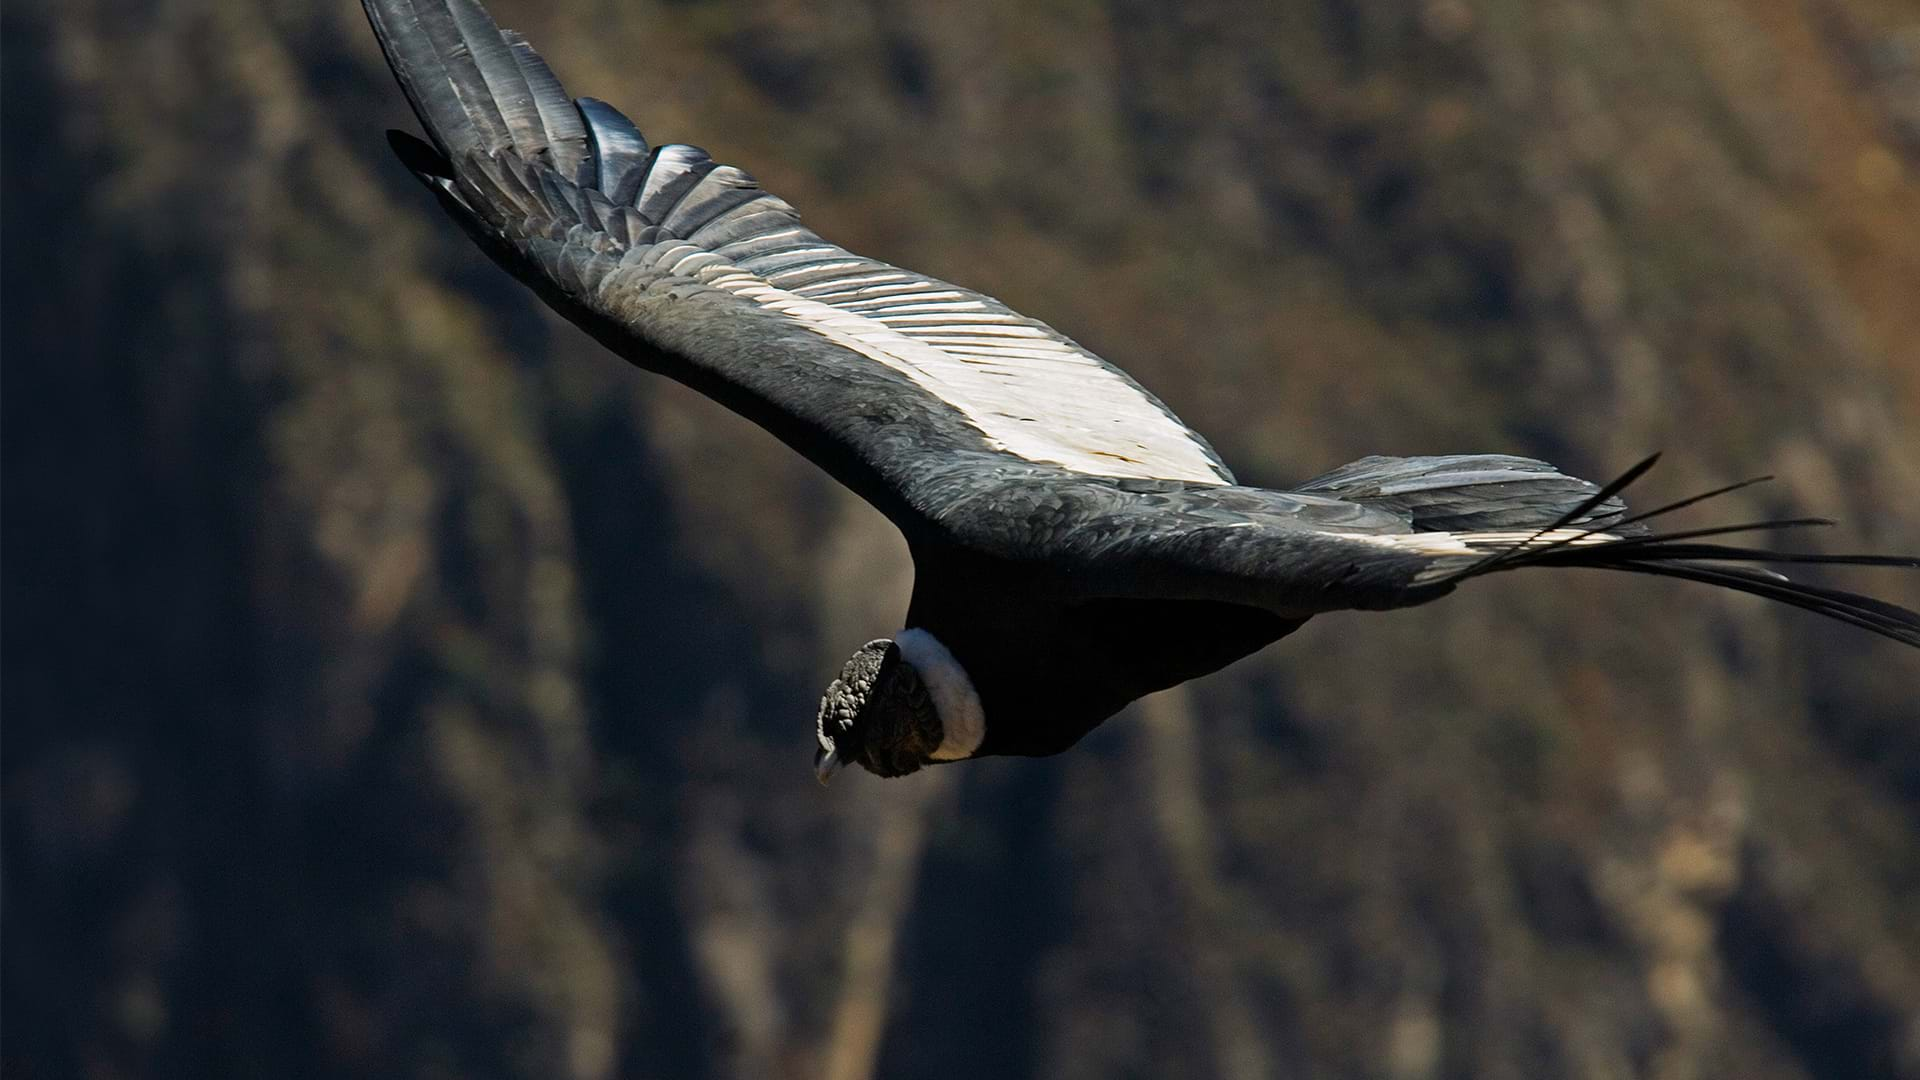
x: 877, y: 714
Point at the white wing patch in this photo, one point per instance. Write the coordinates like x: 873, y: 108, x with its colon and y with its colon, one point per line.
x: 1483, y: 543
x: 1031, y: 393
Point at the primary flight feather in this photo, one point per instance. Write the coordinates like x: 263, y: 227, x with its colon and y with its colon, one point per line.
x: 1075, y: 544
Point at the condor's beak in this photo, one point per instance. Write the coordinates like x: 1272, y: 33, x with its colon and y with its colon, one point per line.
x: 826, y: 763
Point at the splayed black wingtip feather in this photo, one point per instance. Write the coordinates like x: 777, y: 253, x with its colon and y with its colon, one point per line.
x: 418, y: 156
x: 1681, y: 554
x: 1694, y: 500
x: 1722, y: 553
x: 1652, y: 539
x: 1498, y: 558
x: 1634, y: 528
x: 1673, y: 556
x: 1887, y: 620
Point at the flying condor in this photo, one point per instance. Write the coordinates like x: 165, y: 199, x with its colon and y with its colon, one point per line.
x: 1076, y: 546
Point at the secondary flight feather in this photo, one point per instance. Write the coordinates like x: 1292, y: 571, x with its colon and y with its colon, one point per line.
x: 1076, y: 545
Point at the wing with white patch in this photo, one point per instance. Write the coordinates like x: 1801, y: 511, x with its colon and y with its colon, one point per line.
x: 687, y: 266
x: 1030, y: 390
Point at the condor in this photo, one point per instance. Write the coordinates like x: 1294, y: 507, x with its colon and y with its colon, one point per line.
x: 1076, y: 546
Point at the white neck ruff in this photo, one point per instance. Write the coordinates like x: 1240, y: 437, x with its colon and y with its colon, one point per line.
x: 963, y: 722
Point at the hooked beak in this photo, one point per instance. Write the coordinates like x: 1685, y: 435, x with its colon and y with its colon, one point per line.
x: 826, y: 763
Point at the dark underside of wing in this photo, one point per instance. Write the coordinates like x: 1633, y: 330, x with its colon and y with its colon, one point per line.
x: 687, y: 266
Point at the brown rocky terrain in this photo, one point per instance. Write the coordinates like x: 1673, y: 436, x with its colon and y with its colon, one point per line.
x: 398, y: 685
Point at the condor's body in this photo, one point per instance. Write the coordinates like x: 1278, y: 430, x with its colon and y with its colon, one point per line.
x: 1076, y: 545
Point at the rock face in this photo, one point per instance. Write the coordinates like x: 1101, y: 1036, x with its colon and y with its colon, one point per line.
x: 397, y: 685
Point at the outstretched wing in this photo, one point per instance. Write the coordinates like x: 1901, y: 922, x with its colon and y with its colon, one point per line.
x: 1299, y: 553
x: 688, y: 267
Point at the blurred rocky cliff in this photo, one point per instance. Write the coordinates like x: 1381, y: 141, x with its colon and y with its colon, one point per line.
x: 398, y: 685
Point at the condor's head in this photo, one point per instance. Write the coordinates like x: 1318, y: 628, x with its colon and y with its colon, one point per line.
x: 898, y: 705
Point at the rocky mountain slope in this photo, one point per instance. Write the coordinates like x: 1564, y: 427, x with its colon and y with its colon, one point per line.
x: 398, y: 685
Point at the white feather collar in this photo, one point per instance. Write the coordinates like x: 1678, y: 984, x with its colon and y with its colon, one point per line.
x: 962, y: 721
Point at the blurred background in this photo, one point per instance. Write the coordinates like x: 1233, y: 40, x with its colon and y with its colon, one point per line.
x: 398, y: 685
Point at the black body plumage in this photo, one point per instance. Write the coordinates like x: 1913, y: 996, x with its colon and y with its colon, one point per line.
x: 1076, y: 545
